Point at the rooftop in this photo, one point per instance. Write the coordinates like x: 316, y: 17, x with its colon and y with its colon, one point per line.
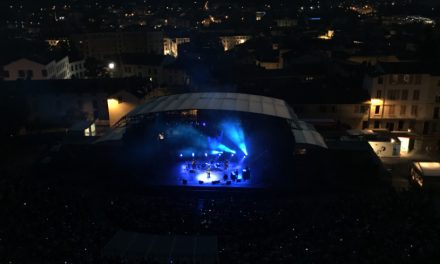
x: 135, y: 86
x: 407, y: 68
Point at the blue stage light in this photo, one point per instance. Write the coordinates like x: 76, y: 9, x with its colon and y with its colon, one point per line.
x: 214, y: 152
x: 192, y: 154
x: 181, y: 155
x: 234, y: 132
x: 225, y: 148
x: 242, y: 147
x: 206, y: 154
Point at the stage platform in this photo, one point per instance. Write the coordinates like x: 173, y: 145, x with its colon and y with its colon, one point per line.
x: 216, y: 174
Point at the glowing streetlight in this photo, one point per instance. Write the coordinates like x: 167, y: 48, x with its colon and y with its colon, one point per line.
x: 376, y: 101
x: 111, y: 65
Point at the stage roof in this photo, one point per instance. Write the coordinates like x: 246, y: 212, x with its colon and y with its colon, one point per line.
x: 304, y: 133
x: 217, y: 101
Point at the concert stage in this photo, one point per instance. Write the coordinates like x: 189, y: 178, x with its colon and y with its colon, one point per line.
x: 216, y: 171
x: 210, y: 140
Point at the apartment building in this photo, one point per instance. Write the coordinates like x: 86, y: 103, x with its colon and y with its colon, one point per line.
x: 405, y: 96
x: 106, y: 45
x: 229, y: 42
x: 37, y: 69
x: 171, y: 45
x: 158, y: 69
x: 77, y: 69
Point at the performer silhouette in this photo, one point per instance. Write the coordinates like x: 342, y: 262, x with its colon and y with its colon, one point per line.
x: 209, y: 172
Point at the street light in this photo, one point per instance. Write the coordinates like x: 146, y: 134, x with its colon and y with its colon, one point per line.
x: 376, y: 101
x: 111, y: 66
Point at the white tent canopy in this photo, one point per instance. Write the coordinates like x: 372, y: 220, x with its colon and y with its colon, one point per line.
x: 304, y: 133
x: 218, y: 101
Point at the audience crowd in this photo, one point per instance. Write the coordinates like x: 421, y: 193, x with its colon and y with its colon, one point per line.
x: 54, y: 221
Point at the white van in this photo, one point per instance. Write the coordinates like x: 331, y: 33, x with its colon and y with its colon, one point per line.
x: 425, y: 175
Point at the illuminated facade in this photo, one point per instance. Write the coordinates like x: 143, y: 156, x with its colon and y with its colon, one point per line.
x: 229, y: 42
x: 37, y: 69
x: 119, y: 105
x: 77, y: 69
x: 171, y: 45
x: 405, y: 97
x: 286, y: 22
x: 327, y: 36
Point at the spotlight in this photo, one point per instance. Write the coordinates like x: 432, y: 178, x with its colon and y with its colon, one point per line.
x: 192, y: 154
x: 206, y: 154
x: 243, y: 148
x: 203, y: 124
x: 181, y: 155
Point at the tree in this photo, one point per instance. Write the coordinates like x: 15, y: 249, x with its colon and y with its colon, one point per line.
x: 95, y: 68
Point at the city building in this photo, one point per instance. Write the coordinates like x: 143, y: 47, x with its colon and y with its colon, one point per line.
x: 37, y: 68
x: 269, y: 60
x: 171, y: 45
x: 229, y: 42
x: 286, y: 22
x: 63, y: 104
x: 159, y: 70
x: 77, y: 69
x: 106, y: 45
x: 405, y: 96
